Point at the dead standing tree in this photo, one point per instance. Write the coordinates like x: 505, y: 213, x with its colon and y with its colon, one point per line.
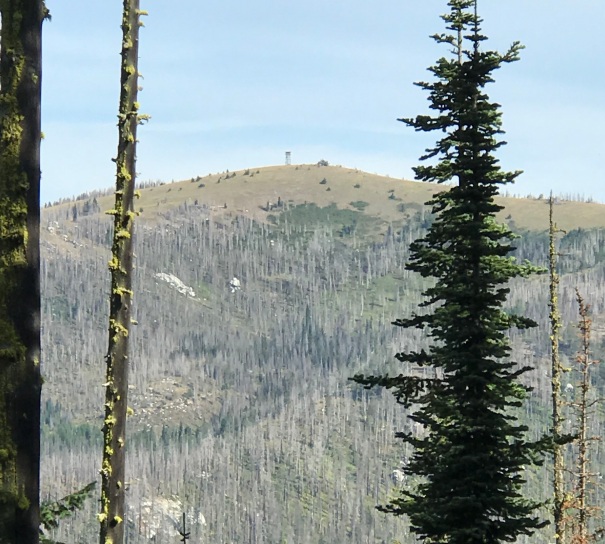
x: 112, y: 514
x: 584, y: 404
x: 557, y: 371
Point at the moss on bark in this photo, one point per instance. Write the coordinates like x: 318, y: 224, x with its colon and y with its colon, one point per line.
x: 20, y: 382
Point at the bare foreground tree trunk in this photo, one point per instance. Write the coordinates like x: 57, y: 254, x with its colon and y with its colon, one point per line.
x: 112, y: 512
x: 20, y: 382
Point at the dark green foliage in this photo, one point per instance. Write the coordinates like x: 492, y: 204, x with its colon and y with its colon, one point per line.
x: 302, y: 220
x: 471, y: 453
x: 52, y: 512
x: 359, y: 205
x: 61, y: 432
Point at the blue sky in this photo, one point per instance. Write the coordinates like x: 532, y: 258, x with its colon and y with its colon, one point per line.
x: 232, y: 84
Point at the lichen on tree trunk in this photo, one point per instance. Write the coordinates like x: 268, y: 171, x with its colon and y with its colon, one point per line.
x: 557, y: 370
x: 20, y: 381
x: 112, y: 512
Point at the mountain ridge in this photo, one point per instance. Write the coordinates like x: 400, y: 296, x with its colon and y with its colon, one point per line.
x: 254, y: 191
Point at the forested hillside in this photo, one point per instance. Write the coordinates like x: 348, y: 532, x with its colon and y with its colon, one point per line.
x: 258, y: 294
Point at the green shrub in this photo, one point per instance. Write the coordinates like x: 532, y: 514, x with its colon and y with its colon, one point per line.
x: 359, y: 205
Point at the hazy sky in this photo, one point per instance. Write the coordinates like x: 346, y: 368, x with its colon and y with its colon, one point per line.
x: 235, y: 83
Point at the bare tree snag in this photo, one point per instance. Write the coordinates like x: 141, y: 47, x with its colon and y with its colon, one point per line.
x: 112, y: 512
x: 584, y: 405
x: 557, y: 371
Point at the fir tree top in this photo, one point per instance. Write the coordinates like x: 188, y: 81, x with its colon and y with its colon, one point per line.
x: 471, y: 122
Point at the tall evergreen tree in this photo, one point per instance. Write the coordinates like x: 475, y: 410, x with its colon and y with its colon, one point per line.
x: 112, y: 513
x: 469, y: 461
x: 20, y: 382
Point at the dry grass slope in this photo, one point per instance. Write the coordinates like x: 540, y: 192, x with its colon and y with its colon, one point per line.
x: 249, y: 191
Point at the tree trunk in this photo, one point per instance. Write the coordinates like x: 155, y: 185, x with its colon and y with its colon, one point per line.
x: 557, y: 402
x: 112, y: 512
x: 20, y: 382
x: 584, y: 362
